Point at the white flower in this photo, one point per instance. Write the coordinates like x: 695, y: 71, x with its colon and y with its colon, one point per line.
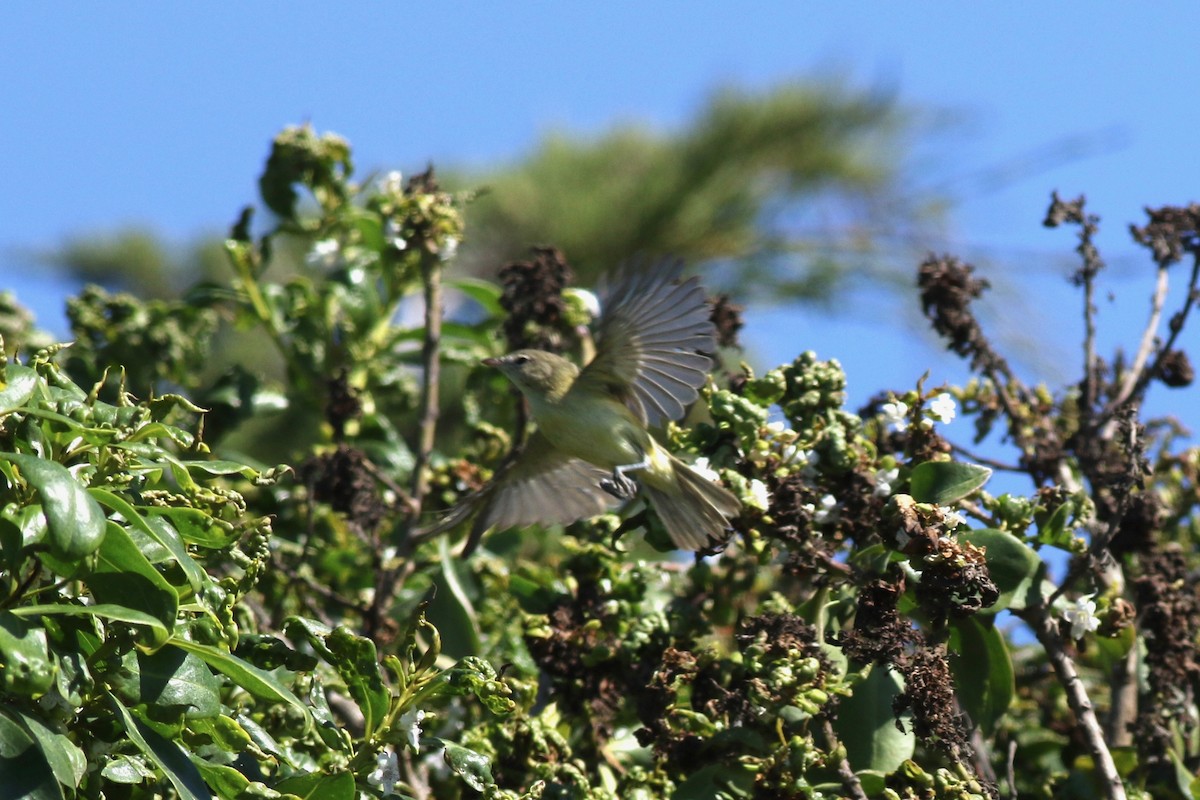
x: 323, y: 254
x: 449, y: 248
x: 810, y: 461
x: 1082, y: 616
x: 391, y: 233
x: 387, y: 772
x: 589, y: 301
x: 896, y: 415
x: 793, y: 454
x: 952, y: 517
x: 884, y: 479
x: 700, y: 467
x: 943, y: 408
x: 760, y: 498
x: 776, y: 428
x: 410, y: 722
x: 392, y: 183
x: 827, y: 510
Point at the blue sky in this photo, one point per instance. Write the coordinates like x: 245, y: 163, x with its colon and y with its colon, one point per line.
x: 161, y: 114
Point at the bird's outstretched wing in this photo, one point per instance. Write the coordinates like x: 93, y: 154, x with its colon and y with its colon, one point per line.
x: 543, y: 486
x: 652, y: 342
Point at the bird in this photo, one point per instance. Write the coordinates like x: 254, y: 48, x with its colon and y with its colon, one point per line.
x: 592, y: 447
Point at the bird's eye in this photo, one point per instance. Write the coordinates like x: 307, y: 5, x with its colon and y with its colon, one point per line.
x: 520, y: 359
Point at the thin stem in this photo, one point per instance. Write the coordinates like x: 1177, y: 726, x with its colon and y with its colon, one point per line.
x: 1124, y: 701
x: 1143, y: 377
x: 249, y: 283
x: 389, y: 581
x: 1133, y: 376
x: 431, y: 363
x: 850, y: 781
x: 984, y: 461
x: 1045, y: 628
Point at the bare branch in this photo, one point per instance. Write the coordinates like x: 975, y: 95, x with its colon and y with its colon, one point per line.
x: 431, y: 364
x: 850, y: 781
x: 1133, y: 377
x: 1046, y: 629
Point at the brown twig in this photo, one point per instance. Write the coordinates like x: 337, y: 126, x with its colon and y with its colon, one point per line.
x: 1046, y: 629
x: 984, y: 461
x: 1124, y: 703
x: 1143, y: 377
x: 401, y: 494
x: 431, y: 365
x: 850, y: 781
x: 388, y: 582
x: 1133, y: 377
x: 317, y: 588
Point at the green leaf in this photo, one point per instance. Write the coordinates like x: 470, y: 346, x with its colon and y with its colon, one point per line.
x: 983, y: 671
x: 168, y: 756
x: 24, y: 771
x: 25, y: 664
x: 227, y: 782
x: 30, y: 521
x: 171, y: 678
x: 157, y: 529
x: 533, y: 597
x: 721, y: 780
x: 224, y: 732
x: 474, y: 768
x: 102, y: 610
x: 485, y: 293
x: 124, y: 577
x: 157, y: 430
x: 872, y: 781
x: 473, y: 675
x: 220, y: 467
x: 127, y: 769
x: 18, y: 386
x: 867, y: 726
x: 450, y: 608
x: 74, y: 521
x: 195, y: 526
x: 319, y: 786
x: 257, y: 682
x: 943, y: 482
x: 357, y: 662
x: 1013, y: 566
x: 329, y: 728
x: 66, y: 760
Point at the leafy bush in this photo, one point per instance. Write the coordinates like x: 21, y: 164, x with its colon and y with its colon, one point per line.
x: 179, y: 623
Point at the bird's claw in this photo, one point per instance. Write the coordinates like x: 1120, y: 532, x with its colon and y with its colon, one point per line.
x: 619, y: 486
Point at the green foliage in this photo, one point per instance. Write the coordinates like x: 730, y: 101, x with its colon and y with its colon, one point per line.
x: 177, y: 619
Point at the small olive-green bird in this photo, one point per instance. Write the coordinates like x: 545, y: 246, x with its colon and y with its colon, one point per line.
x: 592, y: 446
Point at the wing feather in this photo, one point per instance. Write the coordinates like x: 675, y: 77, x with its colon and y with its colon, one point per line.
x: 543, y: 486
x: 653, y: 341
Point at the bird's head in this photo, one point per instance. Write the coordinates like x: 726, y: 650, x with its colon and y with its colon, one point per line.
x: 536, y: 372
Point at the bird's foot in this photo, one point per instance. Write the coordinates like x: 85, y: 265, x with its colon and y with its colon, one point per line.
x: 619, y: 486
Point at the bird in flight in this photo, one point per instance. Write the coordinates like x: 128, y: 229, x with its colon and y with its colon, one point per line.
x: 592, y: 447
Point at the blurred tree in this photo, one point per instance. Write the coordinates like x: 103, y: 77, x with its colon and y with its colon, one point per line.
x: 797, y: 188
x: 794, y: 190
x: 139, y: 261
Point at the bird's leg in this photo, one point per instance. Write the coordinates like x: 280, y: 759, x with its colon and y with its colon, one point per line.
x: 620, y: 485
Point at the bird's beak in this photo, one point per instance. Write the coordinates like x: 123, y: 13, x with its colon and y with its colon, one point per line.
x: 490, y: 362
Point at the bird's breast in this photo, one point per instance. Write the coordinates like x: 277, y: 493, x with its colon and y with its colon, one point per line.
x: 595, y: 429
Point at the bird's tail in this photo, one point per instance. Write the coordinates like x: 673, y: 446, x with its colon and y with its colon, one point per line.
x: 693, y: 509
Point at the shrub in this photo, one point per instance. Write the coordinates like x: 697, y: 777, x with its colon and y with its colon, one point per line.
x: 179, y: 623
